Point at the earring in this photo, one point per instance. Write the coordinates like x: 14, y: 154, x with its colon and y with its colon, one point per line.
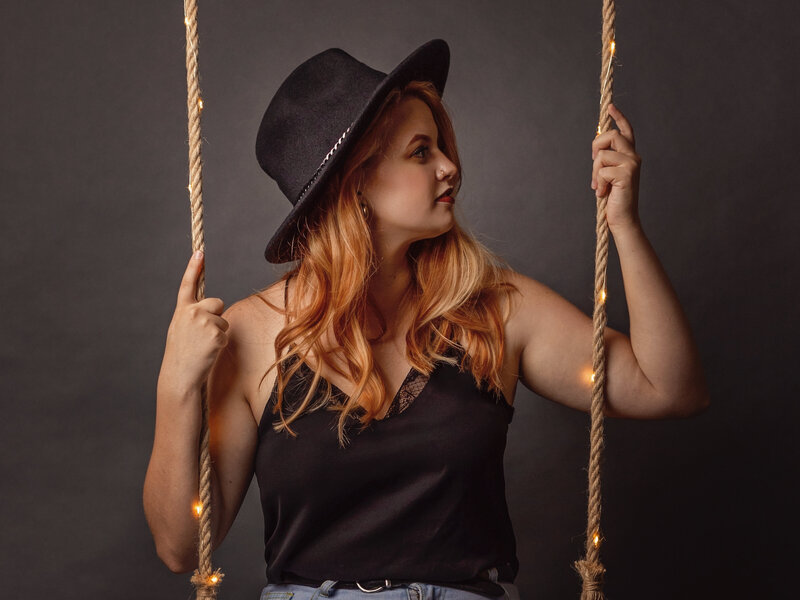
x: 365, y: 210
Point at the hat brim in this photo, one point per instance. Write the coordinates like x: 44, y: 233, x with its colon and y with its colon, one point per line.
x: 429, y: 62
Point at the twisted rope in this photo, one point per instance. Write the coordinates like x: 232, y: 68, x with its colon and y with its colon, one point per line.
x: 204, y: 580
x: 590, y: 568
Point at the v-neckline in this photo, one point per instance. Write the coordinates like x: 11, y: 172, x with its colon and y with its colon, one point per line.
x: 335, y: 387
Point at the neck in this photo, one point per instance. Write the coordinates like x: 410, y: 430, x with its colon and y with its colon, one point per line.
x: 390, y: 282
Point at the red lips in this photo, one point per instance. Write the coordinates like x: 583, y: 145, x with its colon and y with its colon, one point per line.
x: 446, y: 197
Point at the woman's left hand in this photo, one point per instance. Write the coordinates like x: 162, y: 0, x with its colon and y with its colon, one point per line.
x: 616, y: 172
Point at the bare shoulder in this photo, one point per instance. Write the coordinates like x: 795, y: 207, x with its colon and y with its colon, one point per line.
x: 263, y: 309
x: 539, y: 316
x: 527, y: 287
x: 254, y: 322
x: 521, y: 308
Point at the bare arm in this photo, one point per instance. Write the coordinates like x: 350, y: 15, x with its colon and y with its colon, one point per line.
x: 654, y: 373
x: 660, y: 336
x: 171, y: 484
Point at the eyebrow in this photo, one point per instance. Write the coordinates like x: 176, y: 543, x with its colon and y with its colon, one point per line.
x: 419, y: 136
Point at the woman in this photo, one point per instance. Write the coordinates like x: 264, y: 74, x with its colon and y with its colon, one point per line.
x: 370, y: 389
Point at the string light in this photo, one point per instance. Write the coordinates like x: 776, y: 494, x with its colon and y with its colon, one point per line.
x: 189, y: 187
x: 188, y: 26
x: 603, y: 296
x: 608, y: 70
x: 214, y: 578
x: 596, y: 540
x: 592, y: 377
x: 613, y: 47
x: 200, y: 104
x: 211, y: 580
x: 198, y: 509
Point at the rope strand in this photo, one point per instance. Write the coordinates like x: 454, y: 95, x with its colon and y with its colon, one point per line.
x: 590, y: 568
x: 204, y: 580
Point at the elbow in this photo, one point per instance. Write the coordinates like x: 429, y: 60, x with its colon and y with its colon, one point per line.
x: 176, y: 557
x: 698, y: 397
x: 175, y: 562
x: 697, y: 406
x: 178, y: 551
x: 703, y: 403
x: 179, y: 568
x: 701, y: 399
x: 690, y: 404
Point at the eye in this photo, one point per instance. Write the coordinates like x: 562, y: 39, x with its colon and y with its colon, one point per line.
x: 421, y: 152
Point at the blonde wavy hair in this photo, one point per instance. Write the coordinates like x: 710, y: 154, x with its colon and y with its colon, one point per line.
x: 454, y: 296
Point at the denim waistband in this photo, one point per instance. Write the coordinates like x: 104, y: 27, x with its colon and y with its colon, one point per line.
x: 484, y: 583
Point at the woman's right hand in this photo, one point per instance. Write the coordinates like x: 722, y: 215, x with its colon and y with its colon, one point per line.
x: 195, y: 336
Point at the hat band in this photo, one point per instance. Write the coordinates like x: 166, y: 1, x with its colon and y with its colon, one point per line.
x: 322, y: 164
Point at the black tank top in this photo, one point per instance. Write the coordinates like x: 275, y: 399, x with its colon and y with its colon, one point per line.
x: 419, y: 494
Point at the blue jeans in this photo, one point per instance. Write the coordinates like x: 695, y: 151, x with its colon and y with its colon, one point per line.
x: 410, y: 591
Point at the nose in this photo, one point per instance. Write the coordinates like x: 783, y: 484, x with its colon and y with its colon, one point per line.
x: 447, y: 169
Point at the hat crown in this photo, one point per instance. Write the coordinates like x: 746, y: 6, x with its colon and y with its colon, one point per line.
x: 309, y: 113
x: 318, y: 114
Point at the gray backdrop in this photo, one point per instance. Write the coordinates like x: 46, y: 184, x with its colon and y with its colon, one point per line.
x: 95, y: 237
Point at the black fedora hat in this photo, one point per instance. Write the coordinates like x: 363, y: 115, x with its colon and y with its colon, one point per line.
x: 317, y: 114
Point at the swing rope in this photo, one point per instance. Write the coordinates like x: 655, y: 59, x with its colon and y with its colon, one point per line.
x: 590, y: 568
x: 204, y: 580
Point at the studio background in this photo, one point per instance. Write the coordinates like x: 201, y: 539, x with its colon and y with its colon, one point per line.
x: 95, y: 237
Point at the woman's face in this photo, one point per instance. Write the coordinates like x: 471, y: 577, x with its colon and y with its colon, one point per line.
x: 404, y: 186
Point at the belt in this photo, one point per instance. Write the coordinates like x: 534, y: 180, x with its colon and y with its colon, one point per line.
x: 480, y: 584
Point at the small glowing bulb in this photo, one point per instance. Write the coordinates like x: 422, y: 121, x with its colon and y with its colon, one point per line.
x: 603, y: 296
x: 214, y: 579
x: 198, y: 509
x: 613, y: 46
x: 189, y: 187
x: 592, y: 376
x: 200, y: 103
x: 596, y: 540
x: 598, y: 130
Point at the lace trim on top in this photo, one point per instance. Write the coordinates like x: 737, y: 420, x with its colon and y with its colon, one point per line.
x: 408, y: 392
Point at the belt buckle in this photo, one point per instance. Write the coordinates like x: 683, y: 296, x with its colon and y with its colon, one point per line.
x: 385, y: 586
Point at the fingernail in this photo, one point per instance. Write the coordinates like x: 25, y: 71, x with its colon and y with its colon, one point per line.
x: 198, y: 255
